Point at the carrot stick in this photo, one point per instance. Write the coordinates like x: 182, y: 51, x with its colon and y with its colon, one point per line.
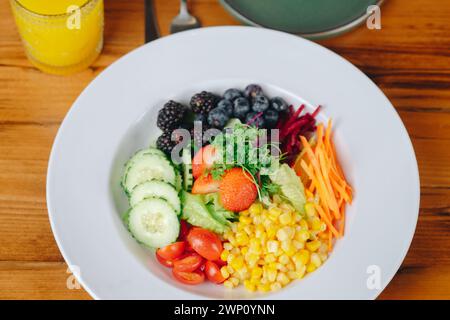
x: 326, y: 219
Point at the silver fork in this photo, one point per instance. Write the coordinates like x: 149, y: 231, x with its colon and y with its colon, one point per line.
x: 184, y: 20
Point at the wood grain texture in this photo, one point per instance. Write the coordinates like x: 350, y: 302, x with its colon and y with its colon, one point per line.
x: 409, y: 59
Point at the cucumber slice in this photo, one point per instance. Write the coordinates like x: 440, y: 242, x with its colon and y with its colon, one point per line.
x: 138, y: 155
x: 156, y: 189
x: 146, y: 167
x: 188, y: 180
x: 154, y: 223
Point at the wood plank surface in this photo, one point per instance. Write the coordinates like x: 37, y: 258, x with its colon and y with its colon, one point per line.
x: 409, y: 59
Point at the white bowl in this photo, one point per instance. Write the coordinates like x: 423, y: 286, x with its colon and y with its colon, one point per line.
x: 115, y: 116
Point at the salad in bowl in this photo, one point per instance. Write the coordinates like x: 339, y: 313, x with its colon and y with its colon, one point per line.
x: 239, y: 189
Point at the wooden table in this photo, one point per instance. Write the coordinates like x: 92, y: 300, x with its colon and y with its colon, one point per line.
x: 409, y: 59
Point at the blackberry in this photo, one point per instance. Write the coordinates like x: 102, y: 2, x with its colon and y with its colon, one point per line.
x: 253, y: 90
x: 218, y: 117
x: 165, y: 143
x: 171, y: 116
x: 203, y: 102
x: 232, y: 94
x: 260, y: 103
x: 279, y: 104
x: 255, y: 119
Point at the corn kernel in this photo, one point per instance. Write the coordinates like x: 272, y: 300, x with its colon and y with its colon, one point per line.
x: 285, y: 207
x: 256, y: 273
x: 315, y: 260
x: 264, y: 287
x: 283, y: 278
x: 310, y: 210
x: 227, y: 246
x: 224, y: 272
x: 230, y: 269
x: 311, y: 268
x: 288, y: 248
x: 232, y: 241
x: 230, y: 258
x: 252, y: 259
x: 270, y: 258
x: 302, y: 256
x: 224, y: 255
x: 245, y: 219
x: 242, y: 273
x: 244, y: 213
x: 249, y: 286
x: 316, y: 224
x: 235, y: 251
x: 302, y: 235
x: 271, y: 232
x: 234, y: 281
x: 244, y: 250
x: 323, y: 256
x: 284, y: 259
x: 237, y: 263
x: 274, y: 211
x: 313, y: 245
x: 281, y: 267
x: 228, y: 284
x: 298, y: 245
x: 290, y: 266
x: 242, y: 239
x: 255, y: 209
x: 275, y: 286
x: 272, y: 246
x: 285, y: 218
x: 271, y: 274
x: 292, y: 275
x: 301, y: 272
x: 234, y: 227
x: 303, y: 224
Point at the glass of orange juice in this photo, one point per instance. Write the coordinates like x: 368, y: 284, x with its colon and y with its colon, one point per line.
x: 60, y: 36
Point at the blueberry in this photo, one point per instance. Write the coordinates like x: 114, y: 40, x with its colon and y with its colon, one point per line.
x: 241, y: 108
x: 232, y: 94
x: 253, y: 90
x: 218, y: 117
x: 227, y: 105
x: 260, y: 103
x: 255, y: 119
x: 271, y: 118
x: 279, y: 104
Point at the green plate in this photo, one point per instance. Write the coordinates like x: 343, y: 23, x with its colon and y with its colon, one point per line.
x: 308, y: 18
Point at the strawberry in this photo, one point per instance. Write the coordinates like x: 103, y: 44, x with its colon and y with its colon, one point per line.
x: 205, y: 184
x: 237, y: 190
x: 203, y: 160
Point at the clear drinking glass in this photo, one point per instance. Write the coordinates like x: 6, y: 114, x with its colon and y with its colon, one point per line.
x: 60, y: 36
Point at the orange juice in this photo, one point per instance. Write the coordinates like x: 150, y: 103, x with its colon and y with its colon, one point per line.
x: 60, y: 36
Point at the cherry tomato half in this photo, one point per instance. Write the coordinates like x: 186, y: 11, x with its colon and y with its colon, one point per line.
x: 205, y: 243
x: 188, y: 263
x: 172, y: 251
x: 192, y: 278
x: 212, y: 272
x: 164, y: 262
